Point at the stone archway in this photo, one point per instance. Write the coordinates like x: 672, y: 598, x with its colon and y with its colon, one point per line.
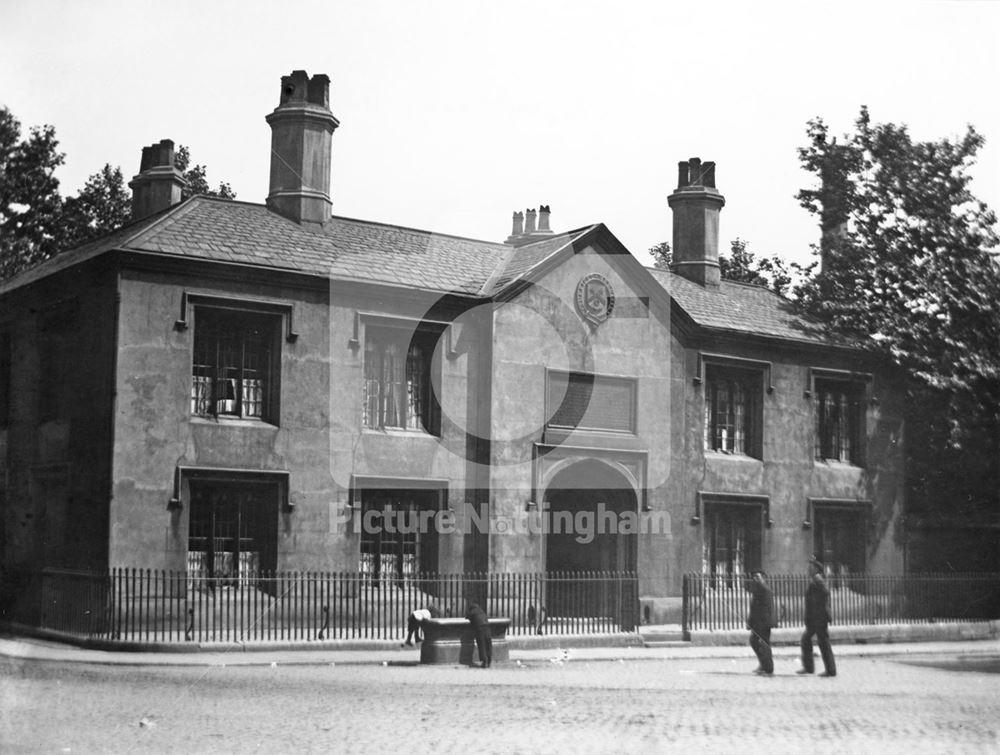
x: 590, y: 495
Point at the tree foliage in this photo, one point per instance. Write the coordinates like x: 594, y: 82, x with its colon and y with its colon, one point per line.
x: 662, y: 255
x: 744, y: 266
x: 907, y: 264
x: 36, y: 222
x: 30, y: 204
x: 908, y: 270
x: 741, y: 265
x: 196, y: 177
x: 102, y: 206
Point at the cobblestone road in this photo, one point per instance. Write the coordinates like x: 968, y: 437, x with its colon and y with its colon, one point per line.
x: 590, y: 707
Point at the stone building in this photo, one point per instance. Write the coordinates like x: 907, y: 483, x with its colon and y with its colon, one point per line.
x: 225, y: 386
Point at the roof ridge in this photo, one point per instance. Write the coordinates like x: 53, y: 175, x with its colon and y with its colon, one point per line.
x: 415, y: 230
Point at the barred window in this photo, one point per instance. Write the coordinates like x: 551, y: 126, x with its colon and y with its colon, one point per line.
x: 839, y: 418
x: 733, y: 410
x: 234, y: 369
x: 732, y: 540
x: 839, y: 540
x: 397, y: 380
x: 232, y: 531
x: 395, y: 544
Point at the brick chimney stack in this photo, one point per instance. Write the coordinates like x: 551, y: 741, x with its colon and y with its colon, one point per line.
x: 696, y: 205
x: 302, y: 129
x: 159, y: 183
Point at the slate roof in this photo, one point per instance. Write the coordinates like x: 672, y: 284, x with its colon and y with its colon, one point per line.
x: 520, y: 260
x: 342, y: 248
x: 740, y: 308
x: 348, y: 249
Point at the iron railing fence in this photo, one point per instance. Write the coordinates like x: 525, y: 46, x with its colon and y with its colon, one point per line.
x: 712, y: 602
x: 148, y: 605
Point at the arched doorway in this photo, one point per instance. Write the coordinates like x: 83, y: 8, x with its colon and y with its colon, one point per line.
x: 586, y: 501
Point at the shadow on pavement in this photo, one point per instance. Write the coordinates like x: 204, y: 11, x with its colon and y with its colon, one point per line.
x: 982, y: 665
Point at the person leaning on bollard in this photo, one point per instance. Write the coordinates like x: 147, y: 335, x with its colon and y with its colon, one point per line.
x: 481, y: 630
x: 760, y: 621
x: 817, y: 623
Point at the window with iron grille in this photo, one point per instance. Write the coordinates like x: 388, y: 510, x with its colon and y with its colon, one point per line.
x: 839, y: 538
x: 397, y: 540
x: 232, y: 530
x: 234, y: 373
x: 839, y: 420
x: 584, y: 401
x: 733, y: 410
x: 732, y: 541
x: 397, y: 379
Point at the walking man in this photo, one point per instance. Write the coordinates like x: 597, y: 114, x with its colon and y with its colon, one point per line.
x: 817, y: 623
x: 481, y: 631
x: 760, y: 621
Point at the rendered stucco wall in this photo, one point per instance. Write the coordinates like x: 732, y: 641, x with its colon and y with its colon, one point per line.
x: 541, y: 329
x: 318, y: 438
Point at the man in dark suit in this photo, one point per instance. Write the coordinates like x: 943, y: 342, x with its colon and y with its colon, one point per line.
x: 760, y: 621
x: 817, y: 623
x: 481, y: 631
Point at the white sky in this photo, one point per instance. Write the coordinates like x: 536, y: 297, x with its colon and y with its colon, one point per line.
x: 455, y: 114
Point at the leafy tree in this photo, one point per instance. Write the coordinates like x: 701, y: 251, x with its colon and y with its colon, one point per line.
x: 36, y: 222
x: 30, y: 204
x: 906, y: 253
x: 103, y: 205
x: 744, y: 266
x: 196, y: 176
x: 741, y: 265
x: 908, y: 269
x: 662, y: 255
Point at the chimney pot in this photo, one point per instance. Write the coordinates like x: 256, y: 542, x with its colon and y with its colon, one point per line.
x: 529, y: 221
x: 518, y: 227
x: 543, y: 219
x: 708, y: 171
x: 682, y: 174
x: 694, y: 171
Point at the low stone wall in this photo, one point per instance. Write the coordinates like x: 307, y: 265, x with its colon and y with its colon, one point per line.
x: 451, y: 641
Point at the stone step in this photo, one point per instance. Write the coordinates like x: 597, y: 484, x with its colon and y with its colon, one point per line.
x: 663, y: 633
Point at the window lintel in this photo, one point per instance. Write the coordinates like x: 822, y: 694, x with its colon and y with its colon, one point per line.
x: 725, y: 360
x: 184, y: 471
x: 403, y: 322
x: 362, y: 482
x: 244, y: 303
x: 858, y: 505
x: 705, y: 498
x: 865, y: 379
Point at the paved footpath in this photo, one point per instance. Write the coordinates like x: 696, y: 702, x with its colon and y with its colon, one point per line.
x: 36, y: 649
x: 925, y: 698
